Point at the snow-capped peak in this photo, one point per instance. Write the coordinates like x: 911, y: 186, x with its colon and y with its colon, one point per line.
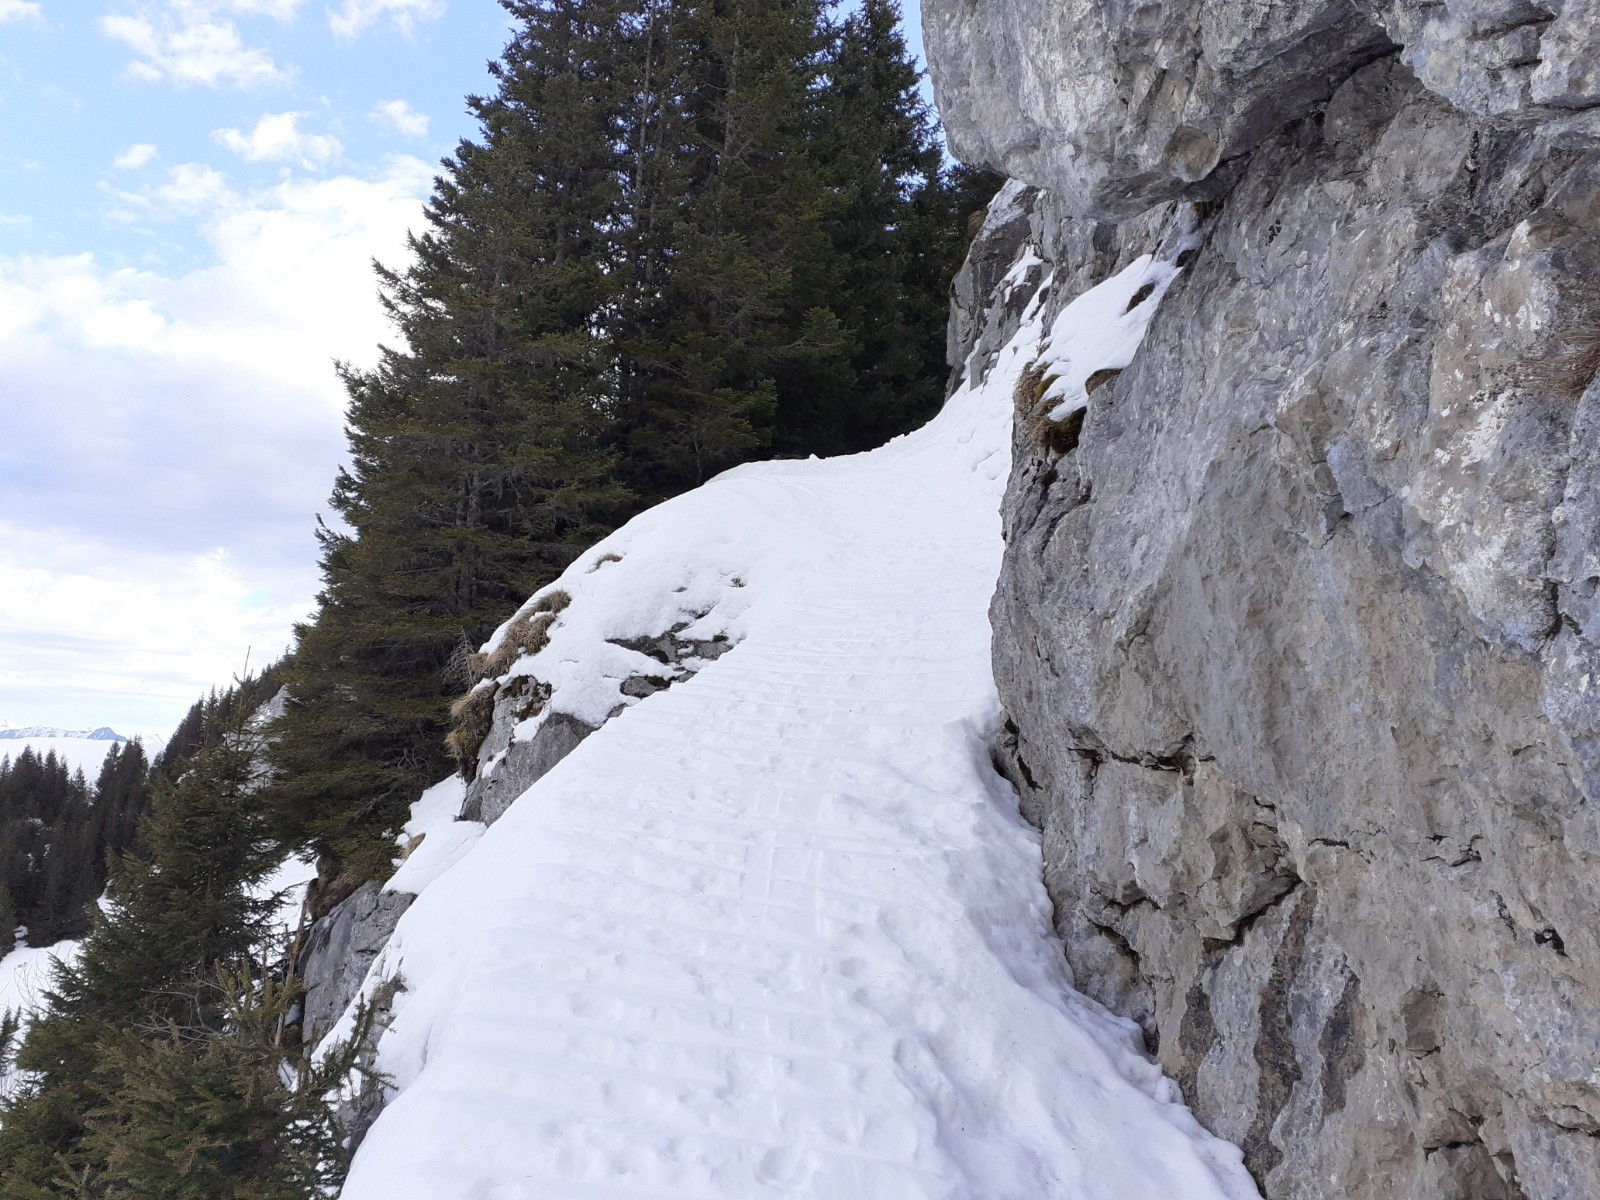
x: 101, y: 733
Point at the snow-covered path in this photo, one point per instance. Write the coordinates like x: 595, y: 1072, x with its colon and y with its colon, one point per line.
x: 779, y: 930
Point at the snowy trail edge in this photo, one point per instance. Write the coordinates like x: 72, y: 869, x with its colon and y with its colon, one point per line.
x: 779, y: 930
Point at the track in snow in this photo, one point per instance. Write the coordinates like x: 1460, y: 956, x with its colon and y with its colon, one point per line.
x: 779, y: 930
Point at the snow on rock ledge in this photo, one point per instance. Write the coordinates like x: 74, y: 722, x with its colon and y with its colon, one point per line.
x: 778, y: 929
x: 639, y: 612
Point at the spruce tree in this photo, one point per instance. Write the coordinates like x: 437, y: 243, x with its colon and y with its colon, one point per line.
x: 8, y: 921
x: 121, y: 792
x: 720, y: 323
x: 58, y: 839
x: 51, y: 864
x: 895, y: 216
x: 476, y: 472
x: 152, y: 1072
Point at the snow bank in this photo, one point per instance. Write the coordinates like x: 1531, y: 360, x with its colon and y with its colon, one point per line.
x: 25, y: 974
x: 288, y: 883
x: 778, y: 930
x: 435, y: 841
x: 1101, y: 330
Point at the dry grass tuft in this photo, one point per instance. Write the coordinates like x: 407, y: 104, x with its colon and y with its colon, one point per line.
x: 1030, y: 389
x: 473, y: 718
x: 1100, y: 378
x: 1062, y: 436
x: 472, y: 715
x: 1033, y: 411
x: 529, y: 634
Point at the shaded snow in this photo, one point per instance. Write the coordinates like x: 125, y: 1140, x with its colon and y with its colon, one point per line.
x: 26, y: 974
x: 289, y: 883
x: 778, y: 930
x: 439, y: 841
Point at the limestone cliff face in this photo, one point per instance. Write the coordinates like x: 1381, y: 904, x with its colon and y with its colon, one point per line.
x: 1300, y: 644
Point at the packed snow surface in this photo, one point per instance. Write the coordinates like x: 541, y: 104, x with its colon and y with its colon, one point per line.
x: 778, y: 930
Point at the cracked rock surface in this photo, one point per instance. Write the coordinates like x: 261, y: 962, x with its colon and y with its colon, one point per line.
x: 341, y: 947
x: 1300, y: 645
x: 1118, y: 104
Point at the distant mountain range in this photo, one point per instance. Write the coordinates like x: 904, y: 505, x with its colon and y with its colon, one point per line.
x: 10, y: 732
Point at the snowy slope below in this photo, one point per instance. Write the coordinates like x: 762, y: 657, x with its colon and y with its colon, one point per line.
x: 778, y: 930
x: 80, y: 753
x: 25, y: 975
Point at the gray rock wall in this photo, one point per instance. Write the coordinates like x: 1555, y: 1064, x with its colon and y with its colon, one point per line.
x: 339, y: 950
x: 1118, y: 104
x: 1300, y: 646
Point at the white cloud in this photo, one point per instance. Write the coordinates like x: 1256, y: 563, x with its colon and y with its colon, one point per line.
x: 132, y: 634
x: 17, y: 10
x: 401, y: 117
x: 354, y: 17
x: 134, y: 157
x: 168, y: 437
x: 278, y: 137
x: 189, y: 189
x: 281, y: 10
x: 186, y: 43
x: 189, y: 11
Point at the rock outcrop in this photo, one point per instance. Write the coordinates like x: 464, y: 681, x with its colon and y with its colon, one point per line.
x: 509, y: 762
x: 340, y: 949
x: 603, y: 651
x: 1117, y: 105
x: 1300, y: 644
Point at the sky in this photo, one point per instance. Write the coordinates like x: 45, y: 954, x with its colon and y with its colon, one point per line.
x: 191, y: 196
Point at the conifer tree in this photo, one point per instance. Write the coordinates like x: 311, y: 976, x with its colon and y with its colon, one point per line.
x: 121, y: 792
x: 51, y: 865
x: 720, y: 322
x: 896, y: 218
x: 10, y: 1031
x: 58, y: 839
x: 153, y: 1071
x: 476, y: 469
x: 8, y: 921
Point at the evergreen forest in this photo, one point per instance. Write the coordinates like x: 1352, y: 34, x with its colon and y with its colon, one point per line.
x: 59, y: 835
x: 160, y: 1065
